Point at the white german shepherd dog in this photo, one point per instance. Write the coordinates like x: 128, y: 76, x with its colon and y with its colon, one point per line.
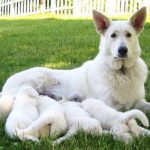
x: 116, y: 76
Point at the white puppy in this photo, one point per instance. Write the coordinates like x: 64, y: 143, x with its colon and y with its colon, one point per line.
x: 119, y: 123
x: 51, y: 121
x: 77, y: 118
x: 23, y: 113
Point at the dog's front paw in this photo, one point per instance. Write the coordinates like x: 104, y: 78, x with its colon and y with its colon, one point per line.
x: 125, y: 137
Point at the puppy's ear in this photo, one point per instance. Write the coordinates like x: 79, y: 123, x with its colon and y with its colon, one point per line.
x: 138, y: 19
x: 101, y: 21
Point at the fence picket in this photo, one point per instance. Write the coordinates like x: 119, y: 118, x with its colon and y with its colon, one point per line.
x: 75, y: 7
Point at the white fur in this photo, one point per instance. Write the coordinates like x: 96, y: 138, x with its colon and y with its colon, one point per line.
x: 23, y: 113
x: 51, y: 121
x: 77, y: 118
x: 118, y: 123
x: 101, y: 77
x: 6, y: 103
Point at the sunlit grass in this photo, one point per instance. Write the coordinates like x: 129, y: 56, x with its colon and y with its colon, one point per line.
x: 58, y: 42
x: 66, y: 17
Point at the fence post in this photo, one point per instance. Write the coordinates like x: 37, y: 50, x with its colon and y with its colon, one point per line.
x: 42, y: 5
x: 147, y: 3
x: 53, y: 6
x: 110, y: 7
x: 11, y: 8
x: 76, y: 7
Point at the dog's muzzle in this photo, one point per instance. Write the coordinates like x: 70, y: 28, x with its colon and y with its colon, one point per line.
x: 122, y: 52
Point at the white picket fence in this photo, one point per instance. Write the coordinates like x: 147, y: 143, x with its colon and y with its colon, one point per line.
x: 75, y: 7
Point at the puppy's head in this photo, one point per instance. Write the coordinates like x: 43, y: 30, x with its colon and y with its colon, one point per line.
x: 120, y: 38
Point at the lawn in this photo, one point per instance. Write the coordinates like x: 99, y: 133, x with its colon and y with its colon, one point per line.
x: 57, y: 42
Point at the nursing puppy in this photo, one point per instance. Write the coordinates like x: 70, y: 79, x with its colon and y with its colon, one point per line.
x: 120, y: 124
x: 24, y: 112
x: 116, y: 75
x: 39, y: 79
x: 77, y: 118
x: 51, y: 120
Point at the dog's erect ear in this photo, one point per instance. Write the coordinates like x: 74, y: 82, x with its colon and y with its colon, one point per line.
x: 101, y: 21
x: 138, y: 19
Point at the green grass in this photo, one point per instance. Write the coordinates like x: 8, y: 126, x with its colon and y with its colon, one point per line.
x: 57, y: 42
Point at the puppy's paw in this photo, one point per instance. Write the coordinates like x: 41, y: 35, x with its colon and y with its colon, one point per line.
x: 134, y: 128
x: 32, y: 138
x: 125, y: 137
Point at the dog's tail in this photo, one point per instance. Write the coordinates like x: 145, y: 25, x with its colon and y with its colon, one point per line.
x: 133, y: 114
x: 71, y: 132
x: 56, y: 123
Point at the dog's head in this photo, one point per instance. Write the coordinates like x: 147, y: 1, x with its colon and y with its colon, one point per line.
x: 119, y: 39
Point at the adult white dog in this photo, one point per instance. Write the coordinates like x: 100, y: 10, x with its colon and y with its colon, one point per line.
x: 116, y: 75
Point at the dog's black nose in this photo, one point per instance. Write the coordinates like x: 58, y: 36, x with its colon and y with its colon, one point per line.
x: 122, y: 51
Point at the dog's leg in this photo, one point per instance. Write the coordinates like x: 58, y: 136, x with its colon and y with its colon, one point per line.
x: 144, y: 132
x: 136, y: 130
x: 133, y: 127
x: 35, y: 127
x: 69, y: 134
x: 143, y: 105
x: 58, y: 125
x: 120, y: 131
x: 125, y: 137
x: 6, y: 103
x: 28, y: 137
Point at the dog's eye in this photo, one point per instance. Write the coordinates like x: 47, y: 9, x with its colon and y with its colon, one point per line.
x: 128, y: 34
x: 113, y: 35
